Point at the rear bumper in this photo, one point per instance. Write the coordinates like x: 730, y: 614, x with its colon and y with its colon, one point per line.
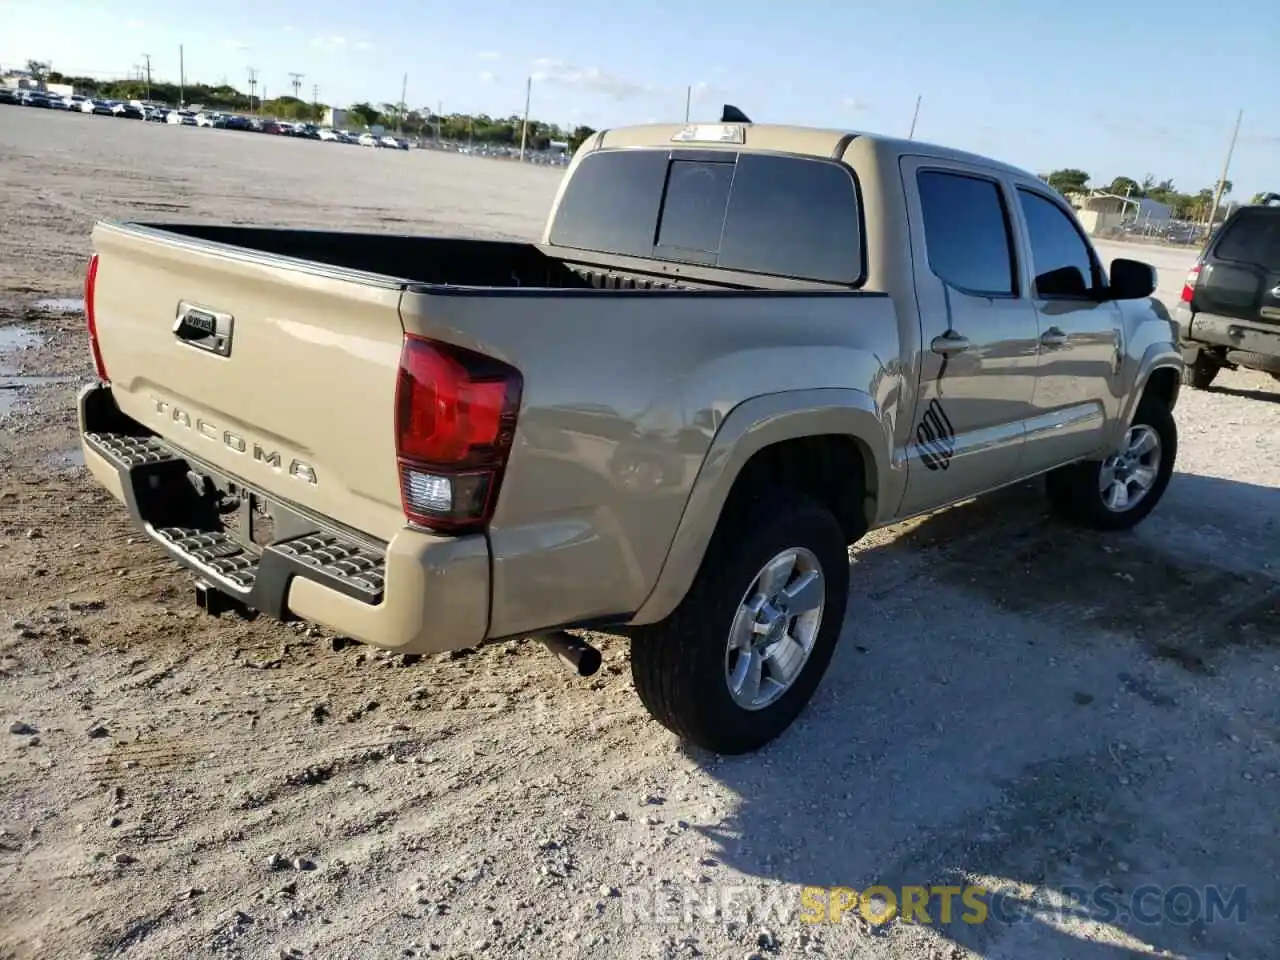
x: 419, y: 593
x: 1240, y: 335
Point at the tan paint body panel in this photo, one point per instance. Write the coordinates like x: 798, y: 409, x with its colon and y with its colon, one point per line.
x: 639, y: 410
x: 311, y: 375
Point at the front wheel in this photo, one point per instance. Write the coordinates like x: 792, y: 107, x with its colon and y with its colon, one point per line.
x: 739, y: 659
x: 1118, y: 491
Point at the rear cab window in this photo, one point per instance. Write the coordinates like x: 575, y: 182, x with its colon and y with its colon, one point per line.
x: 772, y: 214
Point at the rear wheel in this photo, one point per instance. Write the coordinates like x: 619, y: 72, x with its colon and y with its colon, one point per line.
x: 1118, y: 491
x: 1202, y: 372
x: 739, y: 659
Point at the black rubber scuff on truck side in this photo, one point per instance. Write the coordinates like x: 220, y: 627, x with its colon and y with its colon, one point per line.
x: 936, y: 437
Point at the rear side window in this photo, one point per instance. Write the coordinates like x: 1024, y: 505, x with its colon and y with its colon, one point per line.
x: 757, y: 213
x: 966, y: 229
x: 1253, y: 238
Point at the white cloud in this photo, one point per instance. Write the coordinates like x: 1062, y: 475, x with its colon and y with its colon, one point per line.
x: 590, y: 79
x: 329, y: 43
x: 703, y: 91
x: 487, y: 76
x: 856, y: 104
x: 489, y: 55
x: 236, y: 45
x: 136, y: 24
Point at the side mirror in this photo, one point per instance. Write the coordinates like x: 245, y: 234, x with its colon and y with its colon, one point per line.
x: 1131, y: 279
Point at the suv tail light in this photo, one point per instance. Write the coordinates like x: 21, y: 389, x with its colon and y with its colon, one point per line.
x: 455, y: 422
x: 1189, y: 286
x: 91, y: 318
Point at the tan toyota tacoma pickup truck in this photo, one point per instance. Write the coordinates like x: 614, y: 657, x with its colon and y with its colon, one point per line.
x: 736, y: 349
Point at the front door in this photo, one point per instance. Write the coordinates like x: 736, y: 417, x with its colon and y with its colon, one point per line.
x: 1080, y: 344
x: 978, y: 335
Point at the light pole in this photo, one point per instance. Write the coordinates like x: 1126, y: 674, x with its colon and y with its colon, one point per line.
x: 1226, y: 166
x: 524, y: 127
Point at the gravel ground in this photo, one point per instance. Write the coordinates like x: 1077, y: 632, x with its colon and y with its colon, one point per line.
x: 1014, y: 704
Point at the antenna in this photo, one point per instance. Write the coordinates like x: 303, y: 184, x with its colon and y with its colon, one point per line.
x: 731, y: 114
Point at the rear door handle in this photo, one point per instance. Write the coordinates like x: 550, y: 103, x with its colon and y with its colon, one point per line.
x: 1053, y: 337
x: 949, y: 343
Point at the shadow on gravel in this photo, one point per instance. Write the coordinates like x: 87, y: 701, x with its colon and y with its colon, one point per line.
x: 1272, y: 396
x: 988, y: 720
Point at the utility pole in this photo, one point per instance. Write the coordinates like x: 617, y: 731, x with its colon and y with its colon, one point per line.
x: 1226, y: 166
x: 524, y: 127
x: 147, y: 57
x: 182, y: 80
x: 296, y: 80
x: 439, y: 117
x: 253, y: 87
x: 688, y: 101
x: 315, y: 102
x: 911, y: 135
x: 404, y: 91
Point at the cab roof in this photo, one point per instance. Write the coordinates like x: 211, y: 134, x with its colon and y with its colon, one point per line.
x: 820, y: 142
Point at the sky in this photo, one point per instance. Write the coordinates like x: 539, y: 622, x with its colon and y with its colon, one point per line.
x: 1113, y: 88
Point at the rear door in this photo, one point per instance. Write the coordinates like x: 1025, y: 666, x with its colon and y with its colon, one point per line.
x: 978, y: 334
x: 1240, y: 279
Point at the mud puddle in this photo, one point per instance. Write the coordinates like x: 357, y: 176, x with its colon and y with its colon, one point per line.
x: 14, y: 340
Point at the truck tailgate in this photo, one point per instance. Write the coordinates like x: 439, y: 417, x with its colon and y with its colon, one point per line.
x: 283, y: 374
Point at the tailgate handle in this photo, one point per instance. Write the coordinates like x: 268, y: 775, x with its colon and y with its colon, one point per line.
x: 204, y: 329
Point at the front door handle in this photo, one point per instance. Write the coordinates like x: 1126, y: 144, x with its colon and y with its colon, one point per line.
x: 949, y: 343
x: 1053, y: 337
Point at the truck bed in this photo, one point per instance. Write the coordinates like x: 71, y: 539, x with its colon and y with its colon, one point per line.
x: 420, y: 260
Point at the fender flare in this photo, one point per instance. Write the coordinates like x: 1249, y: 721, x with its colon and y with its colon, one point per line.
x: 747, y: 429
x: 1157, y: 356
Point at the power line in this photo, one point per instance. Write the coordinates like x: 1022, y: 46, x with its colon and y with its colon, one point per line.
x: 253, y: 85
x: 296, y: 80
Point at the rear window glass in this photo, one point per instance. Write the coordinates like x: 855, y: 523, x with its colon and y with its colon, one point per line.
x: 758, y: 213
x: 1253, y: 238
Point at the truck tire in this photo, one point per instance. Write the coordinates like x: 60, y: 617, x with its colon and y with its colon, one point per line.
x: 1117, y: 492
x: 767, y: 605
x: 1201, y: 373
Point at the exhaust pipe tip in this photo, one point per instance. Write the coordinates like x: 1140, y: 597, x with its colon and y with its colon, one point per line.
x: 581, y: 656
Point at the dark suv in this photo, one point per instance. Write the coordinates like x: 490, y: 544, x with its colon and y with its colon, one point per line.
x: 1229, y: 313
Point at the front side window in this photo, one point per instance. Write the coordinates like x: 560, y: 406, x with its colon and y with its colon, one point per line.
x: 1060, y: 258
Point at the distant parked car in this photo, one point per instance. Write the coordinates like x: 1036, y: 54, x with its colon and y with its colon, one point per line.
x: 73, y: 102
x: 34, y: 98
x: 369, y: 140
x: 183, y: 118
x: 126, y: 111
x: 393, y: 143
x: 236, y: 122
x: 101, y: 107
x: 329, y: 135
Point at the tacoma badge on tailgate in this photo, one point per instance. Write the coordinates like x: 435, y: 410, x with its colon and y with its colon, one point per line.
x: 204, y: 329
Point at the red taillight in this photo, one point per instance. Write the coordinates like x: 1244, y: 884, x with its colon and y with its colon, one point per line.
x: 455, y: 421
x: 91, y: 318
x: 1189, y: 286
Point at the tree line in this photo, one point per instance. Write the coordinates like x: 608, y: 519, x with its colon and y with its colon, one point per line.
x: 423, y: 123
x: 1183, y: 206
